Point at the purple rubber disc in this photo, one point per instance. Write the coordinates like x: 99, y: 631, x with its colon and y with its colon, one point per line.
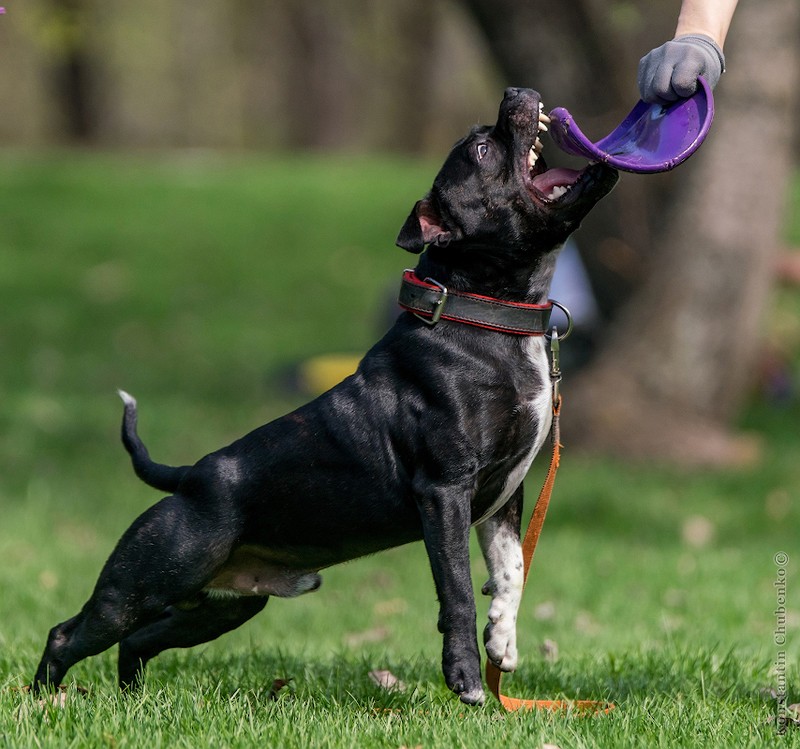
x: 652, y: 138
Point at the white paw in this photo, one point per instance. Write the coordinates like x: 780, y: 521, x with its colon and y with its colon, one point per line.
x: 500, y: 640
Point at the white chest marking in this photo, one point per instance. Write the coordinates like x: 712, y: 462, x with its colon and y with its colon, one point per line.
x: 539, y: 409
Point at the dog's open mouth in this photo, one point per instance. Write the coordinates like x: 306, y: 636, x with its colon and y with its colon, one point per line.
x: 547, y: 185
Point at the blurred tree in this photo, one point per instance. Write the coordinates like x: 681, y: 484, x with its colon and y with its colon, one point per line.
x: 337, y: 53
x: 32, y: 44
x: 71, y: 76
x: 698, y: 245
x: 691, y: 251
x: 344, y: 74
x: 359, y: 74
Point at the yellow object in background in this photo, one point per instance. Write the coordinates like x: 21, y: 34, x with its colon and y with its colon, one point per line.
x: 321, y: 373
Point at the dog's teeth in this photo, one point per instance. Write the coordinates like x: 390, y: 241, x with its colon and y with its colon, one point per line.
x: 538, y: 145
x: 533, y: 157
x: 542, y: 127
x: 544, y: 118
x: 557, y: 192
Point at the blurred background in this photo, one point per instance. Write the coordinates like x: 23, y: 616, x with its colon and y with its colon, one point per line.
x: 682, y: 266
x: 199, y: 198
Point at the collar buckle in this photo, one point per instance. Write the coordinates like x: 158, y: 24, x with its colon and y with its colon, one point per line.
x: 438, y: 304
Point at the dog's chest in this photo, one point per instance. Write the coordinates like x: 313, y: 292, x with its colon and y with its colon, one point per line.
x: 536, y: 413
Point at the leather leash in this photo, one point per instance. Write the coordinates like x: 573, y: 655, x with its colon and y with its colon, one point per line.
x: 493, y: 674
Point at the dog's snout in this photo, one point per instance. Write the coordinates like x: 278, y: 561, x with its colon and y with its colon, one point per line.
x: 519, y: 100
x: 514, y: 92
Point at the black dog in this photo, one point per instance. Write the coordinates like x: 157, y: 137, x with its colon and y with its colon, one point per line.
x: 432, y: 435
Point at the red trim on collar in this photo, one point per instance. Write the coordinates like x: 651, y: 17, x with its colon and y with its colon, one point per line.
x: 492, y: 308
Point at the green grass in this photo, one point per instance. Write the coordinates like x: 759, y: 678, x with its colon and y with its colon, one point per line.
x: 195, y: 282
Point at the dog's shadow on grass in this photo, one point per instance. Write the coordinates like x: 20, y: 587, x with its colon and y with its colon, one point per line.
x: 374, y: 683
x: 387, y: 684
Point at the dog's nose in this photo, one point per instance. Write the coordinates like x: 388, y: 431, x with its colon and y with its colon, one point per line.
x: 514, y: 93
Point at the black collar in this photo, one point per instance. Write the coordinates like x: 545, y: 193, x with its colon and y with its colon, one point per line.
x: 431, y: 301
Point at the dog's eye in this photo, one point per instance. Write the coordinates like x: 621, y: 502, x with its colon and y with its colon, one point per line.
x: 481, y: 149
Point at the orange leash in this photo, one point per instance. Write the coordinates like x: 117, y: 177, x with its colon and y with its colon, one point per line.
x: 493, y: 674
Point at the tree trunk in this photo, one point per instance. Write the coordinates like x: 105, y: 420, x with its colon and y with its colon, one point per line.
x: 29, y: 112
x: 675, y: 366
x: 681, y: 356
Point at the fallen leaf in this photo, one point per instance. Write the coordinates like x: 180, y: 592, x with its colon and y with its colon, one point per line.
x: 671, y: 623
x: 697, y: 531
x: 387, y: 680
x: 276, y: 687
x: 586, y: 624
x: 57, y: 699
x: 48, y: 579
x: 545, y: 611
x: 674, y: 598
x: 778, y: 504
x: 392, y: 607
x: 376, y: 634
x: 61, y: 688
x: 549, y: 650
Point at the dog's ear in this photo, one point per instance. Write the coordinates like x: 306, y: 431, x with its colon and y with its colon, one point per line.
x: 424, y: 226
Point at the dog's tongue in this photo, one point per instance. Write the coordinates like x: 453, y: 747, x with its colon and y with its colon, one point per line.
x: 558, y: 177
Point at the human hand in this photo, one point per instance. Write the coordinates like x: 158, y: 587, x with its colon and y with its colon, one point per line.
x: 670, y: 71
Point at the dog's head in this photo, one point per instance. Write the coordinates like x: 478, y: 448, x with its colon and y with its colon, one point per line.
x: 495, y: 190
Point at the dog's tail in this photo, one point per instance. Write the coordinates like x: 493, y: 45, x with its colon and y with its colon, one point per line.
x: 159, y: 476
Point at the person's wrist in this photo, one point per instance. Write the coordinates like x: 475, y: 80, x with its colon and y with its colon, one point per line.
x: 708, y: 42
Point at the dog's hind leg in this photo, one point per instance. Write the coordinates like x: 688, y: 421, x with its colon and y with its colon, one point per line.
x: 183, y: 626
x: 167, y: 556
x: 500, y: 542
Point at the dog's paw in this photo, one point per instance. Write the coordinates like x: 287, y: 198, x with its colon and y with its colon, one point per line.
x: 465, y: 681
x: 500, y: 641
x: 474, y: 697
x: 469, y: 692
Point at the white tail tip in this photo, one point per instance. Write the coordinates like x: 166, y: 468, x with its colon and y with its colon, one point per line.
x: 127, y: 398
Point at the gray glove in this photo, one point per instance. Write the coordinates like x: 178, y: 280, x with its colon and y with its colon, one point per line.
x: 670, y: 71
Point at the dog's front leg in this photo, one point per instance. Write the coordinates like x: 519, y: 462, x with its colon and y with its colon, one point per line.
x: 445, y: 516
x: 500, y: 543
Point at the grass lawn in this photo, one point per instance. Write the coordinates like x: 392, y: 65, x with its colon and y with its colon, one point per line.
x: 196, y: 282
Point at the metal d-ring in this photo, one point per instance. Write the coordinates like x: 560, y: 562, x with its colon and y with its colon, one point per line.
x: 570, y: 325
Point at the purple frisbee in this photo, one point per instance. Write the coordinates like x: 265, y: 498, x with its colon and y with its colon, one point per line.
x: 652, y: 138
